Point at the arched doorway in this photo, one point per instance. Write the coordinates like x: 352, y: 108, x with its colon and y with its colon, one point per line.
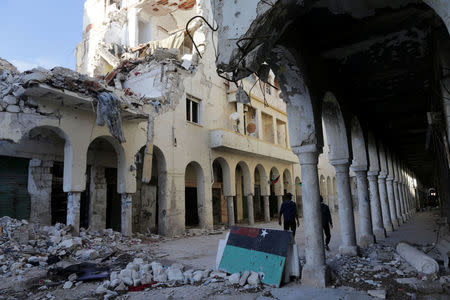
x: 147, y: 207
x: 102, y: 185
x: 275, y: 191
x: 287, y: 182
x: 260, y: 191
x: 194, y: 193
x: 219, y: 204
x: 243, y: 188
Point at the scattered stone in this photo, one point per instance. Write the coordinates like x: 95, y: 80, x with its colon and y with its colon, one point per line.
x: 68, y: 285
x: 253, y: 279
x: 244, y: 277
x: 234, y: 278
x: 377, y: 293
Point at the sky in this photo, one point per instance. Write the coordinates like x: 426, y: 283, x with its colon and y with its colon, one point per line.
x: 40, y: 32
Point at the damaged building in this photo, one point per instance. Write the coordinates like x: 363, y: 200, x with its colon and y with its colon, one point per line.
x: 370, y: 76
x: 145, y: 136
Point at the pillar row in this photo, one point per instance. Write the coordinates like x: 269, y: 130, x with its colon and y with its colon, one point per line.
x: 375, y: 207
x: 391, y: 201
x: 365, y: 221
x: 346, y: 217
x: 397, y: 203
x: 385, y: 208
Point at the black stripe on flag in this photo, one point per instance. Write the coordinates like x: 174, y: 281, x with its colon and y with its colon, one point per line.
x: 267, y: 240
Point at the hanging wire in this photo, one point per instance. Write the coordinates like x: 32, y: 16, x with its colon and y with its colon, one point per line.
x: 189, y: 34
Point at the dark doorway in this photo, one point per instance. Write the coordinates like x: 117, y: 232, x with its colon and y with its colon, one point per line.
x: 191, y: 206
x: 113, y: 207
x: 273, y: 205
x: 59, y: 197
x: 217, y: 211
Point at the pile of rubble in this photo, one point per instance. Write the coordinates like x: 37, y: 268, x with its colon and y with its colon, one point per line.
x: 383, y: 273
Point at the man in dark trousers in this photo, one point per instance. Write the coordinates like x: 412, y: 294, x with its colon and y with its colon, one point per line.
x: 327, y: 222
x: 289, y: 211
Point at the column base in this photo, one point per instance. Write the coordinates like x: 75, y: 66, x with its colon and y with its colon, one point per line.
x: 395, y: 224
x: 388, y: 227
x: 366, y: 240
x: 379, y: 233
x: 348, y: 250
x: 315, y: 276
x: 404, y: 218
x: 400, y: 221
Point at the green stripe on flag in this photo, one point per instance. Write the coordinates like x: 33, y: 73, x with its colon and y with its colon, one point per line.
x: 237, y: 259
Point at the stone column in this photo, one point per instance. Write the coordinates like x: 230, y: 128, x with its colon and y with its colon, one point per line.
x: 127, y: 215
x: 279, y: 201
x: 391, y: 200
x: 366, y: 237
x: 314, y: 272
x: 384, y: 203
x: 397, y: 203
x: 230, y: 210
x: 40, y: 191
x: 266, y: 209
x: 402, y: 201
x: 73, y: 210
x: 97, y: 209
x: 377, y: 221
x: 346, y: 218
x: 251, y: 217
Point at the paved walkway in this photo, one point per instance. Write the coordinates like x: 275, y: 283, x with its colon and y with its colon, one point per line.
x: 200, y: 251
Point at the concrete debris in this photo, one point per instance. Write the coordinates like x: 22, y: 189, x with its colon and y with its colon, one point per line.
x: 108, y: 108
x: 234, y: 278
x: 419, y: 260
x: 377, y: 293
x: 6, y: 65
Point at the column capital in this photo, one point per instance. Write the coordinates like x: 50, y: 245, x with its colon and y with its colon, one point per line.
x: 373, y: 173
x: 360, y: 173
x: 340, y: 167
x: 372, y: 177
x: 308, y: 154
x: 358, y: 168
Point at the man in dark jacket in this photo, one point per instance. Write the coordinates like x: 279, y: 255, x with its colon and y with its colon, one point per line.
x: 289, y: 211
x: 327, y: 222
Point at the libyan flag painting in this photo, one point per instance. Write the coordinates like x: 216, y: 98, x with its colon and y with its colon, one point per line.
x: 259, y: 250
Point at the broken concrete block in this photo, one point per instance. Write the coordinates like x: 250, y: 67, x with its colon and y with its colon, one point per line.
x: 156, y: 267
x: 253, y: 279
x: 244, y: 277
x: 234, y: 278
x: 121, y: 287
x: 217, y: 274
x: 138, y: 261
x: 87, y: 254
x: 198, y: 276
x: 70, y: 244
x: 10, y: 99
x: 132, y: 266
x: 73, y: 277
x: 113, y: 276
x: 125, y: 275
x: 100, y: 290
x: 377, y: 293
x: 13, y: 108
x: 161, y: 277
x: 68, y: 285
x: 175, y: 274
x: 419, y: 260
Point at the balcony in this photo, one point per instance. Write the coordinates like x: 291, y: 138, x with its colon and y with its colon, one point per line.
x: 231, y: 140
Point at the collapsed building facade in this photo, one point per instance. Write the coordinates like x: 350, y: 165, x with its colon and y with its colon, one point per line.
x: 145, y: 136
x: 374, y: 74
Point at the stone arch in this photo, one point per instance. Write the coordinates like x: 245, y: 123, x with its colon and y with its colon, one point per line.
x: 106, y: 171
x: 298, y: 196
x: 244, y: 188
x: 221, y: 188
x: 194, y: 194
x: 262, y: 189
x: 150, y: 199
x: 277, y: 185
x: 287, y: 182
x: 335, y: 129
x: 46, y: 198
x: 359, y: 151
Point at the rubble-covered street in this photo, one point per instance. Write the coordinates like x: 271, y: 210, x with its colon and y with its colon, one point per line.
x: 48, y: 262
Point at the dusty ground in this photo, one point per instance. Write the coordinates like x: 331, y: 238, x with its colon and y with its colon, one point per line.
x: 377, y: 267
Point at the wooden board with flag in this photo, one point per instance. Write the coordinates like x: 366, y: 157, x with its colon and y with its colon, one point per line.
x: 259, y: 250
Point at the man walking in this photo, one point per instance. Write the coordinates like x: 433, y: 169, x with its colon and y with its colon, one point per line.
x: 327, y: 222
x: 289, y: 211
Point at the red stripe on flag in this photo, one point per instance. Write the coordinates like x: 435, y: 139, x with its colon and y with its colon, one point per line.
x: 246, y: 231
